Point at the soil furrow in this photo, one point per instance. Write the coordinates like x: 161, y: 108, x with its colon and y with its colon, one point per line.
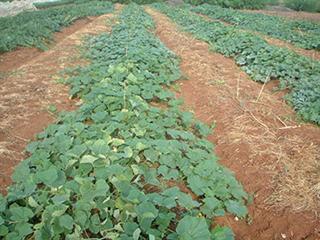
x: 28, y: 91
x: 256, y: 136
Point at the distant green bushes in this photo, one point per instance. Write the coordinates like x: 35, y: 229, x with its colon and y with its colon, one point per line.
x: 297, y: 5
x: 247, y: 4
x: 303, y: 5
x: 136, y: 1
x: 42, y: 5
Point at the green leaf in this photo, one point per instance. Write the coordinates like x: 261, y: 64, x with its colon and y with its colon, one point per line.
x: 23, y: 229
x: 3, y: 230
x: 211, y: 204
x: 222, y: 233
x: 190, y: 228
x: 48, y: 176
x: 21, y: 172
x: 151, y: 155
x: 66, y: 221
x: 136, y: 234
x: 146, y: 212
x: 88, y: 159
x: 20, y: 214
x: 100, y: 147
x: 236, y: 208
x: 186, y: 201
x: 127, y: 152
x: 3, y: 203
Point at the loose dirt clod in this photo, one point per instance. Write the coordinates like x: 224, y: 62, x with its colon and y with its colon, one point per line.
x: 249, y: 138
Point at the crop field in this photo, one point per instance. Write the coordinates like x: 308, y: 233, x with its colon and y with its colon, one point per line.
x: 129, y: 122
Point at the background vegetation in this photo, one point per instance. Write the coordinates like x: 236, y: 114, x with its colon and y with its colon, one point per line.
x: 303, y: 5
x: 248, y: 4
x: 297, y: 5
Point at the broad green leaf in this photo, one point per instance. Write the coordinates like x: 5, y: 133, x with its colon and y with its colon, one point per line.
x: 127, y: 152
x: 222, y: 233
x: 3, y: 230
x: 236, y: 208
x: 66, y: 221
x: 190, y: 228
x: 20, y: 214
x: 88, y: 159
x: 136, y: 234
x: 3, y: 203
x: 48, y: 176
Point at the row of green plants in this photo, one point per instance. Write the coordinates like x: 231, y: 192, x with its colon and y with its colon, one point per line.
x: 260, y: 60
x: 242, y: 4
x: 110, y: 169
x: 301, y: 33
x: 42, y: 5
x: 303, y: 5
x: 36, y: 28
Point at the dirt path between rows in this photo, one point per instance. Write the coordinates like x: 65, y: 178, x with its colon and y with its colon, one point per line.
x: 28, y: 91
x: 256, y: 136
x: 313, y: 54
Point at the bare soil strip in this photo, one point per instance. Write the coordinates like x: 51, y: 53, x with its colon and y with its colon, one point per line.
x: 26, y: 93
x: 256, y: 136
x: 313, y: 54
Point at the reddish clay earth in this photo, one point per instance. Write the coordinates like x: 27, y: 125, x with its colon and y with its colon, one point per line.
x: 28, y: 86
x: 257, y: 136
x: 290, y: 14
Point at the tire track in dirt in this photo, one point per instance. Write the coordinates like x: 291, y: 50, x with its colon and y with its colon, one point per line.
x: 256, y: 136
x: 27, y: 92
x: 313, y: 54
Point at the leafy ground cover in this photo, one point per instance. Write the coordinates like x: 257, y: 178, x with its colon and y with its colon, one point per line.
x: 58, y: 3
x: 247, y: 4
x: 65, y: 2
x: 35, y: 29
x: 301, y: 33
x: 109, y: 169
x: 260, y: 60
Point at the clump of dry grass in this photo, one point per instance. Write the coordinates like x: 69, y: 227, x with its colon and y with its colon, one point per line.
x: 292, y: 162
x: 298, y: 184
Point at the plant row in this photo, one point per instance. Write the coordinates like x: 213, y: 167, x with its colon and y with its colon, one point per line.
x: 301, y: 33
x: 259, y: 59
x: 42, y: 5
x: 35, y: 28
x: 119, y: 167
x: 247, y: 4
x: 59, y: 3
